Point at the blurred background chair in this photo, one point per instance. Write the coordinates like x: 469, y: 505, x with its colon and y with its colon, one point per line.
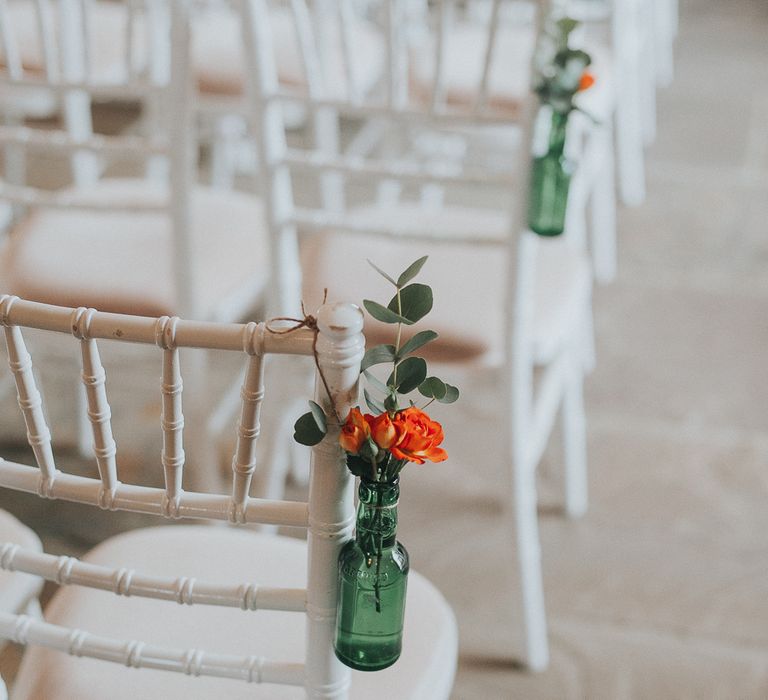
x: 207, y: 568
x: 623, y: 35
x: 140, y: 238
x: 523, y: 303
x: 349, y: 53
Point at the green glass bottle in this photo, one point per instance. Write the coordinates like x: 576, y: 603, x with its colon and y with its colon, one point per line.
x: 550, y: 180
x: 373, y: 572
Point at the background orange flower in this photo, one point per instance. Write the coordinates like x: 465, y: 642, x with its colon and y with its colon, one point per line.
x: 587, y: 80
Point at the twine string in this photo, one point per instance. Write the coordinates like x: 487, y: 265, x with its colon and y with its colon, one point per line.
x: 309, y: 321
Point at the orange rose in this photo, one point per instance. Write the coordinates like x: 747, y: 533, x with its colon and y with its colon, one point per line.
x: 587, y: 81
x: 354, y: 432
x: 383, y: 431
x: 419, y: 437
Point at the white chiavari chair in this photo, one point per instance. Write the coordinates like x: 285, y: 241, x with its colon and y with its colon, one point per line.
x: 219, y: 65
x: 506, y: 298
x: 507, y: 80
x: 133, y: 618
x: 155, y: 243
x: 639, y: 36
x: 154, y: 226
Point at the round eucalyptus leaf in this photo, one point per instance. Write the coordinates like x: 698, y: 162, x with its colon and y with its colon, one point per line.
x: 451, y: 394
x: 410, y: 373
x: 306, y: 431
x: 383, y: 314
x: 377, y: 355
x: 411, y: 271
x: 415, y: 302
x: 418, y: 340
x: 433, y: 388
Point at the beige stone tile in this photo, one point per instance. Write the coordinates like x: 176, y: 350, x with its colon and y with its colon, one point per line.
x: 683, y: 356
x: 618, y: 662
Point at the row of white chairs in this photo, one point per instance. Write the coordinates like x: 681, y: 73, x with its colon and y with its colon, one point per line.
x: 163, y: 245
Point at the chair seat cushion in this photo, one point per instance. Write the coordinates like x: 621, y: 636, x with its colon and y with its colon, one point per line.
x: 509, y: 78
x: 467, y: 280
x: 224, y: 555
x: 17, y: 589
x: 217, y: 52
x: 122, y: 261
x: 106, y: 40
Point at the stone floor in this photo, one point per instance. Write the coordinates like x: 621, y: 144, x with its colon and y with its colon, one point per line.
x: 661, y: 590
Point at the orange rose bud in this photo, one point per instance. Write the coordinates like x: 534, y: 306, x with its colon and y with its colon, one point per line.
x: 354, y: 432
x: 587, y: 80
x: 383, y: 431
x: 420, y: 437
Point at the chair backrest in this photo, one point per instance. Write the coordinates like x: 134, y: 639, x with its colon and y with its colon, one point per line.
x: 396, y: 112
x: 80, y: 52
x: 337, y: 347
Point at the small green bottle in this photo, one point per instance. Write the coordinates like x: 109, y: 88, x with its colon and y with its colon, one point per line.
x: 373, y: 573
x: 550, y: 180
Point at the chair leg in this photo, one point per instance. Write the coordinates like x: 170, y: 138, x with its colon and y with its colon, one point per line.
x: 664, y: 33
x: 536, y: 652
x: 227, y: 133
x: 588, y: 354
x: 629, y: 138
x: 648, y: 99
x: 524, y: 514
x: 326, y: 126
x: 604, y: 213
x: 574, y: 436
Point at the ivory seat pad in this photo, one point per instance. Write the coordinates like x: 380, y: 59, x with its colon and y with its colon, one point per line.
x: 467, y: 280
x: 509, y: 77
x: 217, y: 52
x: 224, y: 555
x: 122, y: 261
x: 17, y: 589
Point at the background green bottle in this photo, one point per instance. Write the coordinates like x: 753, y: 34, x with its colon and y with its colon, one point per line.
x: 373, y: 572
x: 550, y: 180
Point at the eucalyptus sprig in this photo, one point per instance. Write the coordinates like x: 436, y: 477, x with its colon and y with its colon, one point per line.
x: 559, y: 69
x: 411, y: 302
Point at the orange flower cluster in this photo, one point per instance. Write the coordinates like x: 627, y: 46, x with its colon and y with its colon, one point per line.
x: 410, y: 434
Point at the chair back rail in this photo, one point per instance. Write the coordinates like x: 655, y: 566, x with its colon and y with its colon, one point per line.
x: 69, y: 571
x: 337, y: 347
x: 312, y: 220
x: 23, y: 629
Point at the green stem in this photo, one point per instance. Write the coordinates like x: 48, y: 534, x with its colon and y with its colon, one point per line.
x: 397, y: 340
x: 377, y: 529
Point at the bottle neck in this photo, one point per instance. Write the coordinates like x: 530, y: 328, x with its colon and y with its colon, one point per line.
x: 557, y: 132
x: 377, y: 515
